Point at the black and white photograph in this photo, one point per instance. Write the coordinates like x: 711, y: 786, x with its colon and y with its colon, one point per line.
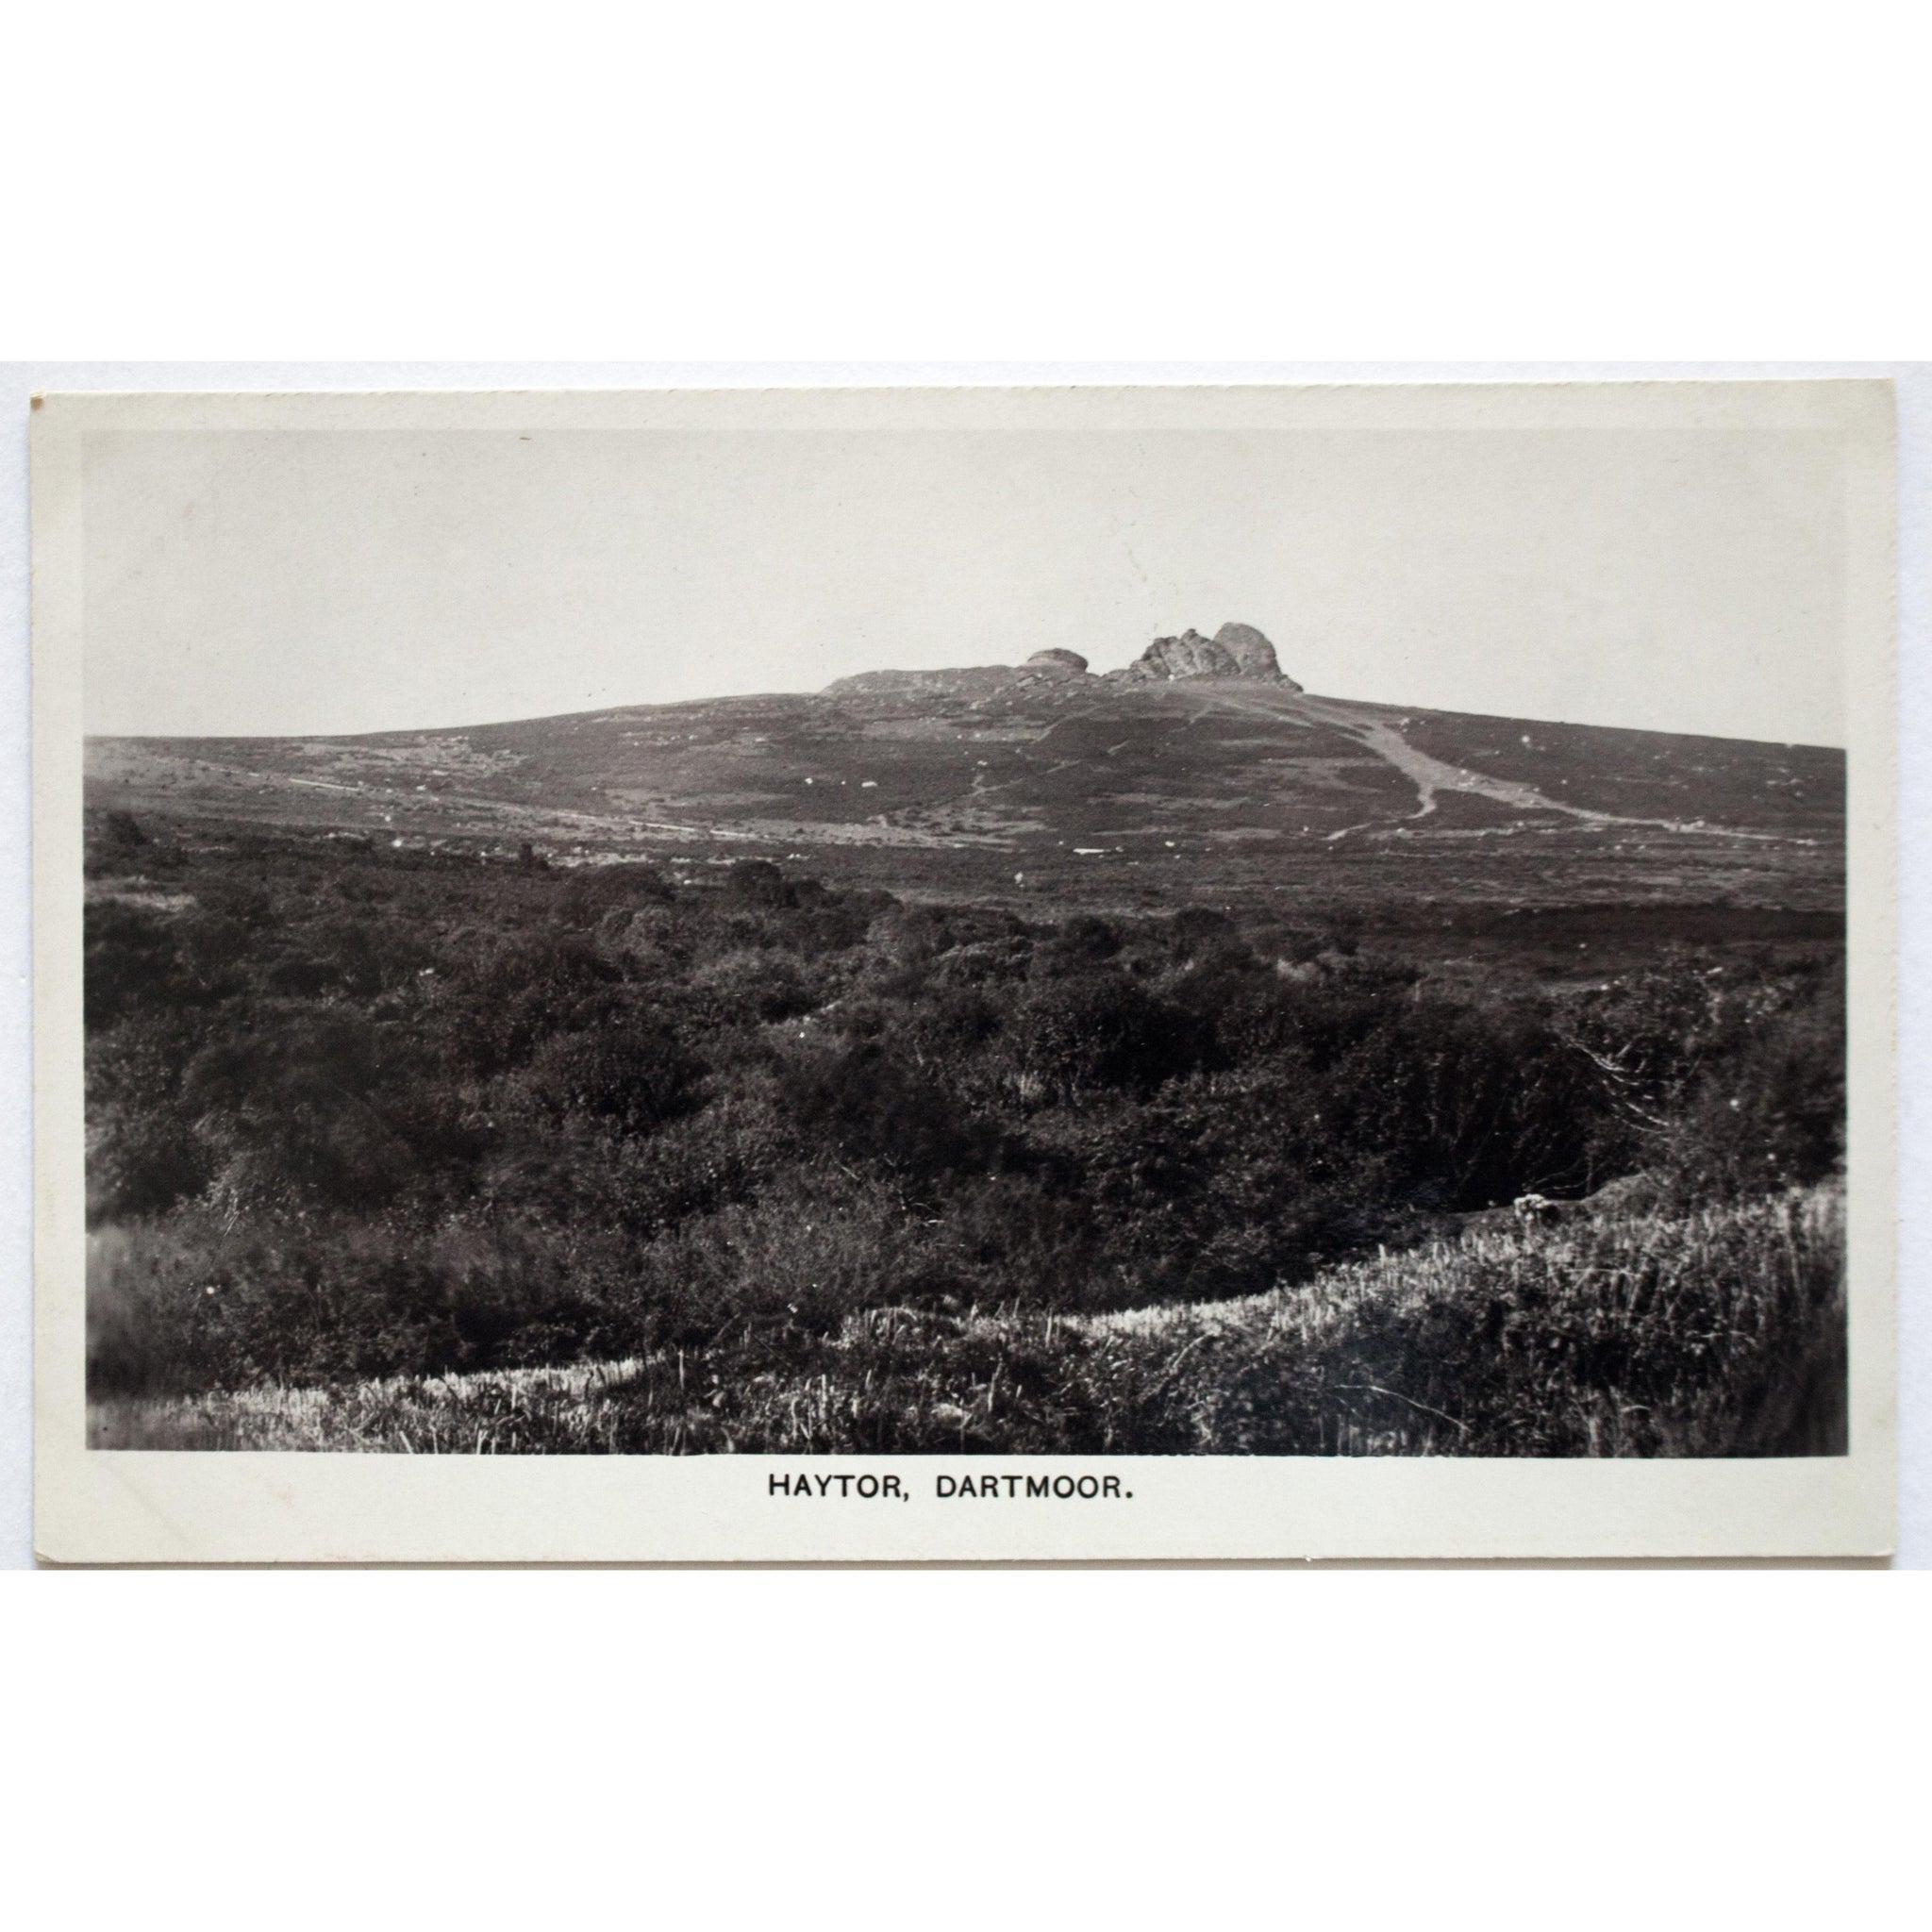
x: 1242, y: 928
x: 1035, y: 898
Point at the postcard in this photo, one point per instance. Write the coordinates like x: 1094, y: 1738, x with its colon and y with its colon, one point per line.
x: 1067, y: 975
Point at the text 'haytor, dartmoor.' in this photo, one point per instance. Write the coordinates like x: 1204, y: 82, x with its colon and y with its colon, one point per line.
x: 875, y: 1488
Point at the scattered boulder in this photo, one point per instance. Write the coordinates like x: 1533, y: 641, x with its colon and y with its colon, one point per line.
x: 1539, y: 1211
x: 1055, y: 660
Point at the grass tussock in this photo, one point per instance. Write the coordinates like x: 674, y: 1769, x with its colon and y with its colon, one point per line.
x: 1716, y: 1332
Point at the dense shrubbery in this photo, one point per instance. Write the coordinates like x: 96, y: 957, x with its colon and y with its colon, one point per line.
x: 353, y: 1112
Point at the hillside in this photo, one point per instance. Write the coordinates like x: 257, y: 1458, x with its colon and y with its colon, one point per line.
x: 1171, y: 779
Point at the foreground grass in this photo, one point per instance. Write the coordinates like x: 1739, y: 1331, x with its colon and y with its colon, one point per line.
x: 1711, y: 1334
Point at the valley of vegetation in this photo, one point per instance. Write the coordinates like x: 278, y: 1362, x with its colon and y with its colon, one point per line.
x: 392, y: 1148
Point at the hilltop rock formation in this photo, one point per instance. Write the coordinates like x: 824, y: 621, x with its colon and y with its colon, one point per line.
x: 1236, y: 650
x: 1052, y: 666
x: 1254, y: 656
x: 1067, y: 663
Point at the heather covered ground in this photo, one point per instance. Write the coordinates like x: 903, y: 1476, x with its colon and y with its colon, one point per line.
x: 397, y: 1148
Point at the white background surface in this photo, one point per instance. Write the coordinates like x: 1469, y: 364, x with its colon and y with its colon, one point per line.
x: 758, y: 194
x: 1915, y: 813
x: 1221, y: 189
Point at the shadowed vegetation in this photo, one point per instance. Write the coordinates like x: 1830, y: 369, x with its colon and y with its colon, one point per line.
x: 396, y: 1148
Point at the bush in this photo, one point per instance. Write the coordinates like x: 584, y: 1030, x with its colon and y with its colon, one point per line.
x: 874, y: 1107
x: 1102, y: 1030
x: 132, y: 961
x: 1728, y: 1082
x: 141, y: 1163
x: 635, y: 1074
x: 749, y: 988
x: 593, y: 893
x: 1078, y: 945
x: 759, y: 882
x: 324, y: 1106
x: 512, y: 995
x: 1771, y: 1117
x: 1196, y: 926
x: 1471, y: 1107
x: 805, y: 1256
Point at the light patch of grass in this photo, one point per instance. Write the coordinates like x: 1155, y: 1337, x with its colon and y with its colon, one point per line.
x: 1715, y: 1333
x: 479, y: 1414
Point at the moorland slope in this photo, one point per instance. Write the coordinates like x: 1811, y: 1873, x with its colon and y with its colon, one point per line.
x: 1202, y: 771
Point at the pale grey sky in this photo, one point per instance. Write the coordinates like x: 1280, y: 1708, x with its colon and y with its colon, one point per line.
x: 296, y: 581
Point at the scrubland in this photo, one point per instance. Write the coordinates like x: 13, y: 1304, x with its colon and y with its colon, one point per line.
x: 406, y: 1151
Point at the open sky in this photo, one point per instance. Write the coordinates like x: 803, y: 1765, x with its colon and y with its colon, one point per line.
x: 285, y: 582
